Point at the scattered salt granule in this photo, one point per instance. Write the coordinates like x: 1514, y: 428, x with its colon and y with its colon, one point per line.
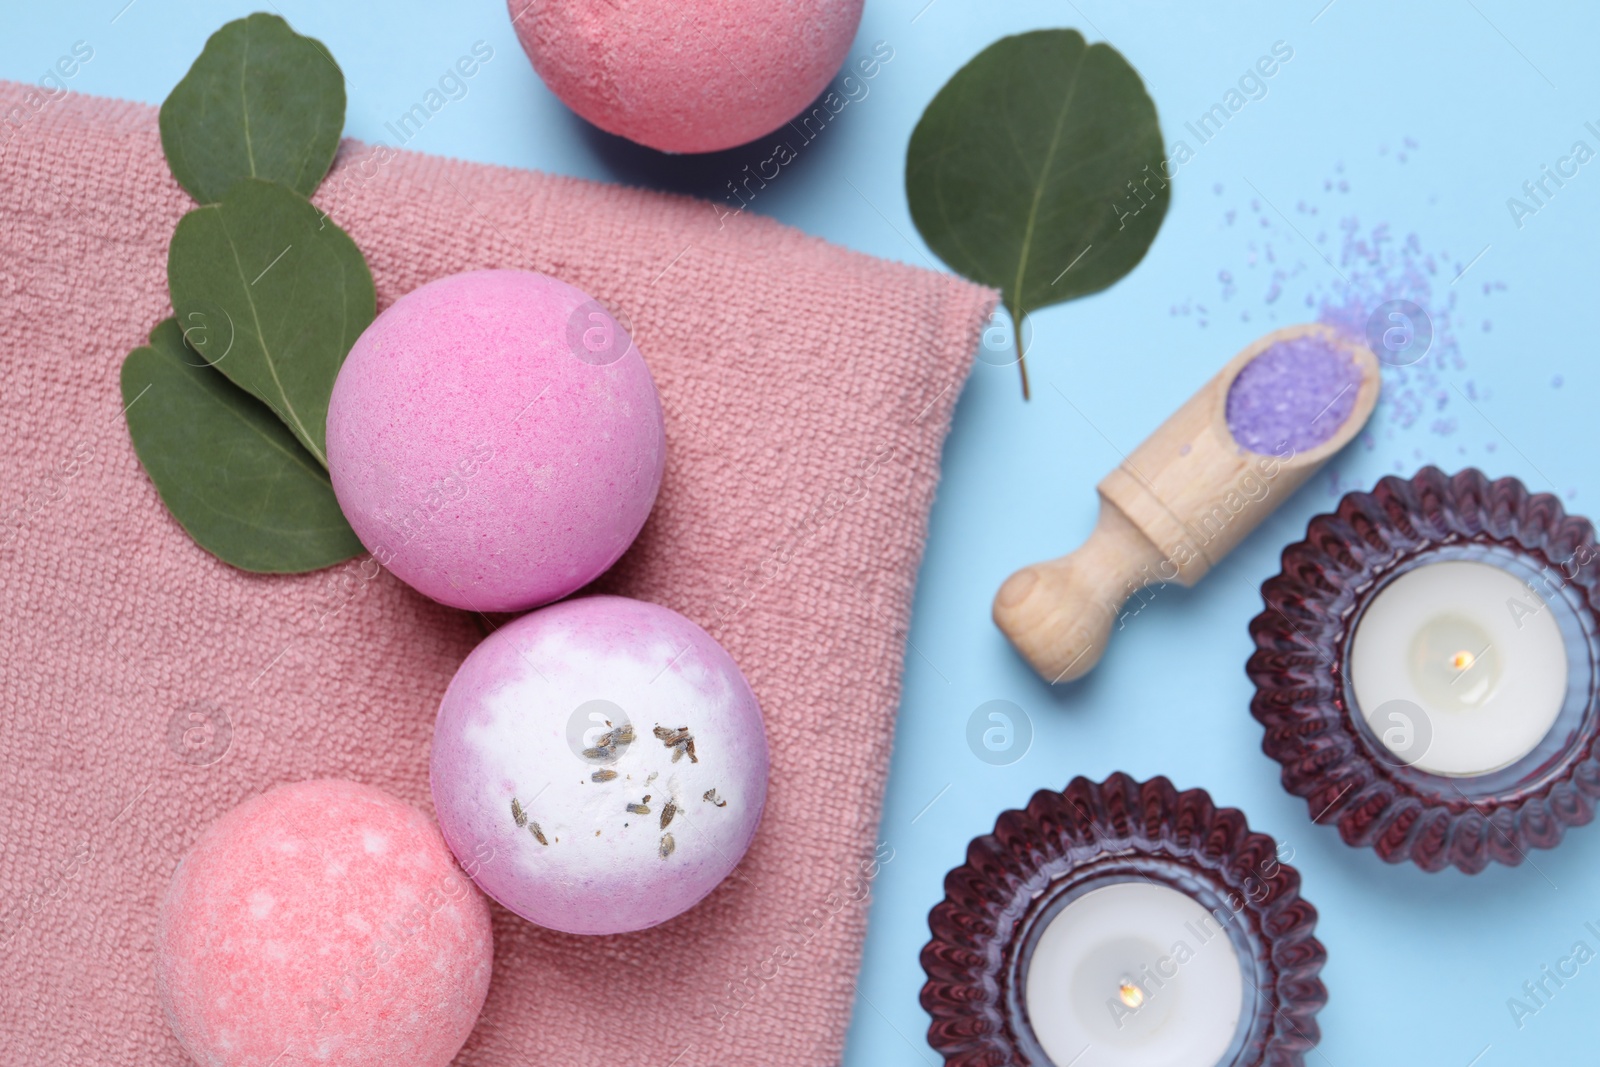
x: 1293, y: 396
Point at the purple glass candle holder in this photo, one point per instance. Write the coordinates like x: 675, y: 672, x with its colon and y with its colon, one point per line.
x: 1064, y: 845
x: 1307, y: 703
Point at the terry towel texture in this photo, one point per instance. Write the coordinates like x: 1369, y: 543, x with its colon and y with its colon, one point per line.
x: 808, y: 390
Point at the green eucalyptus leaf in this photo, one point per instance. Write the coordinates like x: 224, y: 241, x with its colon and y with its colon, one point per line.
x: 232, y: 475
x: 1038, y: 170
x: 261, y: 101
x: 273, y: 295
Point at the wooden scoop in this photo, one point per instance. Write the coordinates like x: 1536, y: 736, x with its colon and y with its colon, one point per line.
x: 1168, y: 513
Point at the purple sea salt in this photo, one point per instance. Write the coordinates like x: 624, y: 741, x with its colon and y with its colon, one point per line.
x: 1294, y: 395
x: 1284, y: 268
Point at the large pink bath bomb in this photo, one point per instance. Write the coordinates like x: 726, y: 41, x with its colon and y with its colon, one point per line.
x: 323, y: 922
x: 687, y: 77
x: 495, y: 439
x: 611, y: 754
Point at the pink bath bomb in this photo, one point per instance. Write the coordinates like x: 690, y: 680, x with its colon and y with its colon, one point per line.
x: 687, y: 77
x: 495, y: 439
x: 323, y: 922
x: 611, y: 754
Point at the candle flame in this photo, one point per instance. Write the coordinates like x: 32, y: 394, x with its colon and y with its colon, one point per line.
x: 1131, y: 994
x: 1463, y: 660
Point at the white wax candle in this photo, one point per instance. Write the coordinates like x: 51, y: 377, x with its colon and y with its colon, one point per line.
x: 1476, y: 650
x: 1135, y: 975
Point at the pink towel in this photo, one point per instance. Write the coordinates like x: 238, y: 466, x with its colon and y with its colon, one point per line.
x: 808, y: 390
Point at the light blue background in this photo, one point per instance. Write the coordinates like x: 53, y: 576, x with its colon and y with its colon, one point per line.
x: 1419, y: 966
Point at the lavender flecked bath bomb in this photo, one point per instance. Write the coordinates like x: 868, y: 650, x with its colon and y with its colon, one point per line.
x: 323, y: 922
x: 612, y: 755
x: 687, y: 77
x: 495, y: 439
x: 1293, y: 396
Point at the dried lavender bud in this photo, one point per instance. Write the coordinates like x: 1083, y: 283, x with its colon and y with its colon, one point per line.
x: 607, y: 745
x: 533, y: 828
x: 680, y: 741
x: 604, y: 775
x: 667, y: 813
x: 711, y: 795
x: 518, y: 816
x: 639, y: 809
x: 667, y: 845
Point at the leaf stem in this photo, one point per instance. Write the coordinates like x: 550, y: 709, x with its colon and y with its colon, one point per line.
x: 1018, y: 317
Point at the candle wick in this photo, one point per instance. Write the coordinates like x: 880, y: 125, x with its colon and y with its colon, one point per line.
x: 1463, y: 661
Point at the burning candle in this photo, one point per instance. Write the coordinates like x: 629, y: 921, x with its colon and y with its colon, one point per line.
x: 1135, y: 973
x: 1458, y: 667
x: 1123, y: 924
x: 1425, y: 669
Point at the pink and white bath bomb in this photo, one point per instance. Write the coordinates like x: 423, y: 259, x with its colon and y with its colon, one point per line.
x: 323, y: 922
x: 687, y: 77
x: 495, y: 439
x: 611, y: 753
